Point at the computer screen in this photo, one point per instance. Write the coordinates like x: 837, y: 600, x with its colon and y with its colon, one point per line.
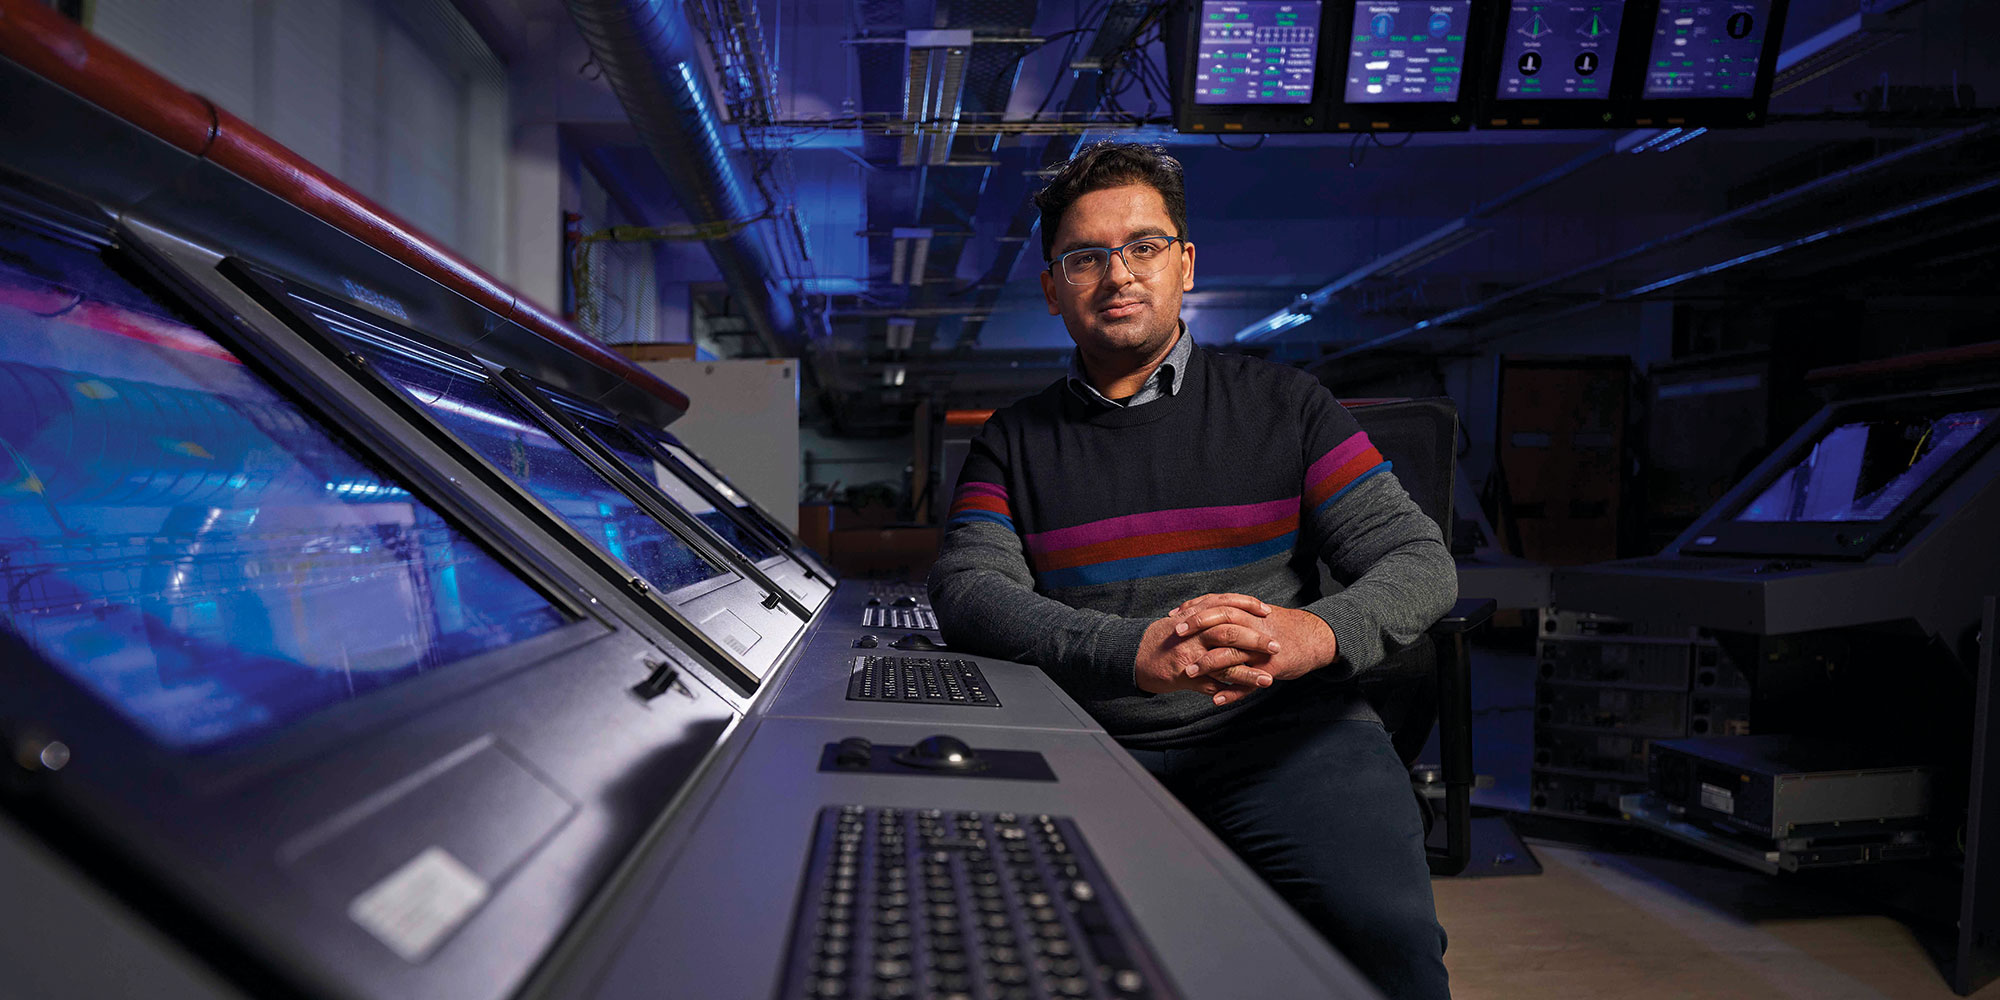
x: 729, y: 493
x: 474, y: 410
x: 1257, y: 52
x: 189, y: 546
x: 1559, y: 51
x: 1707, y: 50
x: 1864, y: 470
x: 620, y: 443
x: 1407, y: 53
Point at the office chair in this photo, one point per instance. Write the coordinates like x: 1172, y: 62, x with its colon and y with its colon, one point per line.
x: 1427, y: 683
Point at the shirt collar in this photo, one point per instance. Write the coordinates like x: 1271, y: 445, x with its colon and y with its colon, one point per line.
x: 1164, y: 381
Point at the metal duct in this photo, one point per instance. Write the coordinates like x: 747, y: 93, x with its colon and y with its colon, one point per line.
x: 647, y: 51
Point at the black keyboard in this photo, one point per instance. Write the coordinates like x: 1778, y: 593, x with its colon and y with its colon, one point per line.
x: 904, y: 618
x: 908, y: 903
x: 919, y: 679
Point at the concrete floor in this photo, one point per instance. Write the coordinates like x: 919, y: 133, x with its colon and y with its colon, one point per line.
x: 1643, y: 920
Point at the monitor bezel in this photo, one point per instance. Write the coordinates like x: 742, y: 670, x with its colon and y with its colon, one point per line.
x: 274, y: 290
x: 1705, y: 112
x: 756, y: 517
x: 1719, y: 534
x: 1615, y: 110
x: 1415, y: 116
x: 1183, y: 42
x: 562, y: 409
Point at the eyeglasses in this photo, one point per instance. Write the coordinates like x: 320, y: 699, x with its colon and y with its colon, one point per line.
x: 1089, y: 265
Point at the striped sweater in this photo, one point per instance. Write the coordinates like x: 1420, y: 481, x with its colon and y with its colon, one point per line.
x: 1076, y: 525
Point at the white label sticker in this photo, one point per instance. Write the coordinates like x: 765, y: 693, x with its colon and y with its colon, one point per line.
x: 1718, y: 798
x: 419, y: 904
x: 731, y: 631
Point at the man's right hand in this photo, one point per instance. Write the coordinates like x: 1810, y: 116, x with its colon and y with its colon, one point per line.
x: 1165, y: 656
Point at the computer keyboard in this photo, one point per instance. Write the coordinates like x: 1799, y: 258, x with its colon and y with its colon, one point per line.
x: 919, y: 679
x: 904, y: 618
x: 908, y: 903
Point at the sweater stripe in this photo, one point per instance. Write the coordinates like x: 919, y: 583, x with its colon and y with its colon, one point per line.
x: 1339, y: 468
x: 985, y: 489
x: 1160, y: 521
x: 981, y: 502
x: 1365, y: 475
x: 1168, y: 564
x: 1165, y: 542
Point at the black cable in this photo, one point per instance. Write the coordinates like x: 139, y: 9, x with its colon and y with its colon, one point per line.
x: 1069, y: 51
x: 1243, y: 149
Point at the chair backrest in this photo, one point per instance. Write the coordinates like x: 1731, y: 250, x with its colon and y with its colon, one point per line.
x: 1419, y: 437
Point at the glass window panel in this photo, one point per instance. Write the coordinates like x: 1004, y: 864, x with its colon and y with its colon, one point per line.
x: 480, y: 415
x: 743, y: 504
x: 192, y: 548
x: 1863, y: 471
x: 629, y: 451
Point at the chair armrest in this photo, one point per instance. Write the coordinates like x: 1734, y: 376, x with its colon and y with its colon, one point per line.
x: 1466, y: 614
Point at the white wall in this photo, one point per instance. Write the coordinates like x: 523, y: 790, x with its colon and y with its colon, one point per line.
x: 398, y: 98
x: 743, y: 418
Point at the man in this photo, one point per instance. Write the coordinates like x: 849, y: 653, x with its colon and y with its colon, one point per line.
x: 1147, y: 531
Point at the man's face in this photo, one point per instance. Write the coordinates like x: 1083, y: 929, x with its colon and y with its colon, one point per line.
x: 1121, y: 312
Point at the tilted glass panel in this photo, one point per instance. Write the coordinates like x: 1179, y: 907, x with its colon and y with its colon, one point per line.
x: 721, y: 485
x: 1863, y: 471
x: 192, y: 548
x: 487, y: 421
x: 615, y: 440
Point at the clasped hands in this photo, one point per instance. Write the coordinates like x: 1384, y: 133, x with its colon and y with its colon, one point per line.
x: 1228, y: 645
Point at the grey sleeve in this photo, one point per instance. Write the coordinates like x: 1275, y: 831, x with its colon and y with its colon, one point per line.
x: 984, y: 595
x: 1393, y: 561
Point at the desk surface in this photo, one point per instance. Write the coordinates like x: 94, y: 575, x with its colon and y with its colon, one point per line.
x: 710, y: 914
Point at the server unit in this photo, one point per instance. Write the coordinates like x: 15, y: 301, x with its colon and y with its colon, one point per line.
x: 1605, y: 689
x: 1801, y: 803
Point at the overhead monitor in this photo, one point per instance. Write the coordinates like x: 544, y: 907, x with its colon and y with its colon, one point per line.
x: 1559, y: 51
x: 1248, y: 65
x: 1407, y: 53
x: 1560, y: 64
x: 193, y: 549
x: 1404, y: 64
x: 1711, y: 62
x: 1842, y: 486
x: 1256, y: 52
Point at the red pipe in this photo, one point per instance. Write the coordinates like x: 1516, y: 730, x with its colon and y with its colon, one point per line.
x: 1950, y: 357
x: 48, y: 44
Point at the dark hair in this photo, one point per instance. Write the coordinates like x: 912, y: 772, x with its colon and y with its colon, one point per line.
x: 1109, y: 164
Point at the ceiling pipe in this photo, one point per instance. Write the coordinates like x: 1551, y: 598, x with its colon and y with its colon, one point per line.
x: 1122, y: 20
x: 1826, y: 183
x: 648, y: 53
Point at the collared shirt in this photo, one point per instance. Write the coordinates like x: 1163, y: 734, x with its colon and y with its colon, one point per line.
x: 1164, y: 381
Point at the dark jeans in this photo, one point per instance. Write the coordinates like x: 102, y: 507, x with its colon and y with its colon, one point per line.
x: 1323, y: 811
